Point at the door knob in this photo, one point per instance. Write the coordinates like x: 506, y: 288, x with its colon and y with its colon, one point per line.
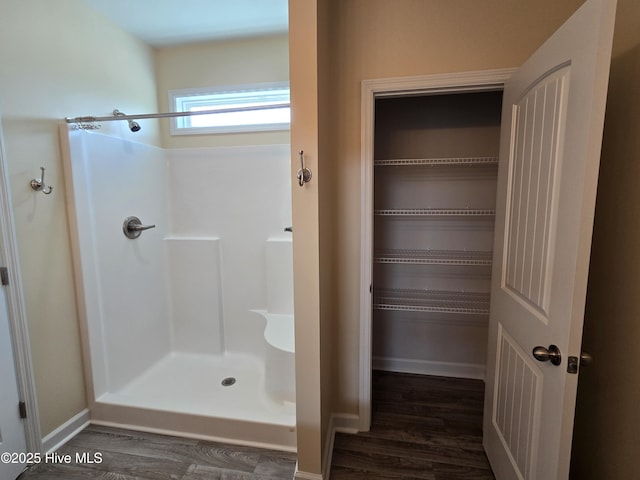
x: 551, y: 354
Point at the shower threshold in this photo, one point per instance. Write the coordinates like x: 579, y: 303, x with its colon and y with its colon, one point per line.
x: 184, y: 394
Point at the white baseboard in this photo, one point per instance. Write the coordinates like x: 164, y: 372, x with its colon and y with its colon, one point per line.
x: 307, y: 476
x: 65, y: 432
x: 341, y: 422
x: 346, y: 423
x: 425, y: 367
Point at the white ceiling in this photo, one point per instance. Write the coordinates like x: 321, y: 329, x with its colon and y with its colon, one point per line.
x: 162, y: 23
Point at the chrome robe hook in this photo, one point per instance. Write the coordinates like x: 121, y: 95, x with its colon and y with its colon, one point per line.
x: 304, y: 174
x: 38, y: 184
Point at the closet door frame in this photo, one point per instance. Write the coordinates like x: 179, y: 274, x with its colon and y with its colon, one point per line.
x: 475, y: 81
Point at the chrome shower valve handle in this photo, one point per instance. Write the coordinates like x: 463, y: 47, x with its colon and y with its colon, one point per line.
x: 133, y: 228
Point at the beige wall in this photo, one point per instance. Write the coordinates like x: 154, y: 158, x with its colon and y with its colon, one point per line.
x: 236, y: 62
x: 58, y: 59
x: 607, y: 433
x: 327, y: 166
x: 313, y: 129
x: 376, y: 39
x: 303, y: 51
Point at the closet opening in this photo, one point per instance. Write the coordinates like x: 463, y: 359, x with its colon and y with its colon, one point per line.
x: 435, y: 164
x: 435, y: 171
x: 428, y: 188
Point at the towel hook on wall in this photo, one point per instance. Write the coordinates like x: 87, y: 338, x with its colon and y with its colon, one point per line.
x: 39, y: 186
x: 304, y: 174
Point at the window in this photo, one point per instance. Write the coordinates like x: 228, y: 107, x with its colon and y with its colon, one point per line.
x: 262, y: 118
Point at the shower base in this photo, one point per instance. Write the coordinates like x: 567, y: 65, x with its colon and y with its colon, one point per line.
x: 184, y: 394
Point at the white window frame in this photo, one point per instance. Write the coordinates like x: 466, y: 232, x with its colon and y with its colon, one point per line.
x: 214, y: 97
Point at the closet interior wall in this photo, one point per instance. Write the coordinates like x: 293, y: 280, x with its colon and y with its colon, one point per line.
x: 435, y: 170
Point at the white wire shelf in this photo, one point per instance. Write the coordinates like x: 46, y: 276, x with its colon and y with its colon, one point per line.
x: 432, y: 301
x: 439, y: 162
x: 433, y: 257
x: 435, y: 212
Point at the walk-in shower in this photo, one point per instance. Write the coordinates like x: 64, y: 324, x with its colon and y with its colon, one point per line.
x: 185, y: 284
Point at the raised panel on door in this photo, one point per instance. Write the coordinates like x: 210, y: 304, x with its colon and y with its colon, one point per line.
x: 532, y: 193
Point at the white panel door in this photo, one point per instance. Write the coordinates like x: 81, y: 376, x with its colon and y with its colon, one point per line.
x: 12, y: 434
x: 553, y: 114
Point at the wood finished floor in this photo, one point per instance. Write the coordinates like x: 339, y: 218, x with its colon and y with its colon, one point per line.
x: 422, y: 427
x: 129, y: 455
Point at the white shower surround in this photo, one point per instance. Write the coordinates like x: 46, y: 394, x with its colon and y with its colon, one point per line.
x: 179, y: 303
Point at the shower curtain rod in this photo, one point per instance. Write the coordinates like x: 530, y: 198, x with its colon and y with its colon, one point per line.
x: 173, y: 114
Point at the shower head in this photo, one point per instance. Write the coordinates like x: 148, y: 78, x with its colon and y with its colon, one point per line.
x: 133, y: 125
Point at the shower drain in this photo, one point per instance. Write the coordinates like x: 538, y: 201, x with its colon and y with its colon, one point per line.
x: 227, y: 382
